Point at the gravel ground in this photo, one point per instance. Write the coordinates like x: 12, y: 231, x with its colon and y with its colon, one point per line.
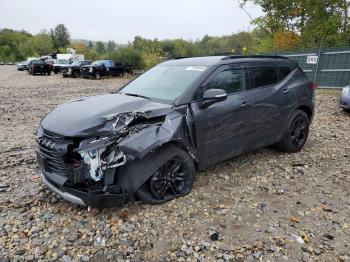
x: 262, y: 206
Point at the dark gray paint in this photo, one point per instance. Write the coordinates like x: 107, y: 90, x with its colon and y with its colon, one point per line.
x: 244, y: 121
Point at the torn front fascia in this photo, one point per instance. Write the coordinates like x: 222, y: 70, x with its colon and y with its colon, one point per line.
x: 101, y: 154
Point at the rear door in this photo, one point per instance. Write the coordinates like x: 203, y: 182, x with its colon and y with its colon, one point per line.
x: 271, y: 100
x: 221, y: 128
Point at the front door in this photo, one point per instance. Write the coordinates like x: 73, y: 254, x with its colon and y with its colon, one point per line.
x: 220, y: 128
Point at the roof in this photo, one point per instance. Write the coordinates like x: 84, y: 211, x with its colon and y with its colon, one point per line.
x: 196, y: 61
x: 213, y: 60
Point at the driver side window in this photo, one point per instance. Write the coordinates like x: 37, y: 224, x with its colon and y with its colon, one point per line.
x: 230, y: 80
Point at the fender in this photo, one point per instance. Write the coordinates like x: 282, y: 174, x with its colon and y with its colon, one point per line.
x: 141, y: 147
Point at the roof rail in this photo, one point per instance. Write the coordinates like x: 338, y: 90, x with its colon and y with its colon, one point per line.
x: 179, y: 57
x: 253, y: 56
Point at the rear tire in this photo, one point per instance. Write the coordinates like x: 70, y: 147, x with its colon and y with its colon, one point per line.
x: 296, y: 134
x: 174, y: 177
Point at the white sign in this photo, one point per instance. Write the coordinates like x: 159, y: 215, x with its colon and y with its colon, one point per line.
x: 312, y: 59
x: 196, y: 68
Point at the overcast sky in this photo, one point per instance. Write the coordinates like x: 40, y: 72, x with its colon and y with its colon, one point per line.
x: 121, y: 20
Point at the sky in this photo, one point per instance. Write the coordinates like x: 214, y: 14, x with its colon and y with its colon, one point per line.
x: 121, y: 20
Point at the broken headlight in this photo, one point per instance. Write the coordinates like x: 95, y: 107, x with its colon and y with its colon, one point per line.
x: 100, y: 155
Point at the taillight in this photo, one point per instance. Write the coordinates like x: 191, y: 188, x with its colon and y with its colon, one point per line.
x: 313, y: 86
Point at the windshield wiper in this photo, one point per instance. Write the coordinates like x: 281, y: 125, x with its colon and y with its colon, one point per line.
x: 136, y: 95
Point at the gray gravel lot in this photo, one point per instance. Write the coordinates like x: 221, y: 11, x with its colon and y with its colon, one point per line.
x: 262, y: 206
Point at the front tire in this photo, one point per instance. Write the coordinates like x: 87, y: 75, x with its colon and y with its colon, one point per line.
x: 97, y: 76
x: 297, y: 133
x: 76, y: 74
x: 173, y: 178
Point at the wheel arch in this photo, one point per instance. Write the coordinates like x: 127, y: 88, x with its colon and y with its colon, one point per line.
x: 135, y: 173
x: 307, y: 110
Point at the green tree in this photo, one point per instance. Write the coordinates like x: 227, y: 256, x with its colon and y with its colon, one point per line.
x: 100, y: 47
x: 90, y: 45
x: 128, y: 55
x: 10, y: 41
x: 38, y: 45
x: 111, y: 45
x: 60, y: 36
x: 316, y: 22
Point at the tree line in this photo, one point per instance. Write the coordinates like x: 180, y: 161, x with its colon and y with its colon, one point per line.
x: 286, y: 25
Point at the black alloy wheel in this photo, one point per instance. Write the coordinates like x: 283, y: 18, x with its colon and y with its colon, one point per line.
x: 174, y: 177
x: 299, y: 132
x: 296, y: 134
x: 168, y: 180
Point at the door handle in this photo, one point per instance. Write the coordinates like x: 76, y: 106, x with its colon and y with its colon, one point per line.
x: 244, y: 104
x: 286, y: 91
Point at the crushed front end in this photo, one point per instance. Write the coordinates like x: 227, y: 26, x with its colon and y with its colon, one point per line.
x: 82, y: 170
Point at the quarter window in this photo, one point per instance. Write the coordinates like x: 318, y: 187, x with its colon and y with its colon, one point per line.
x: 232, y: 81
x: 284, y: 72
x: 264, y: 76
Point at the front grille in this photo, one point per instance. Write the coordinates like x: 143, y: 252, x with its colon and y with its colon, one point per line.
x: 85, y: 69
x: 57, y: 152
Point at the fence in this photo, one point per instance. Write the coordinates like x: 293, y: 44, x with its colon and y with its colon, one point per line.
x: 329, y: 68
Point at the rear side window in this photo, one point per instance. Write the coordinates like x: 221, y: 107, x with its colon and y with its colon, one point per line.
x: 284, y: 72
x: 264, y: 76
x: 108, y: 63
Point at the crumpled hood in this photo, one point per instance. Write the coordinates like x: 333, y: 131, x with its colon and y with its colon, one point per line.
x: 81, y: 118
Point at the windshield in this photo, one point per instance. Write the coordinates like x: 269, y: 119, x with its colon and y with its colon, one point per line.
x: 99, y: 62
x: 61, y: 61
x: 164, y: 82
x: 38, y: 62
x: 76, y: 63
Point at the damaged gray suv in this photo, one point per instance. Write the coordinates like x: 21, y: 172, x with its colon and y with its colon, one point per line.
x: 146, y: 141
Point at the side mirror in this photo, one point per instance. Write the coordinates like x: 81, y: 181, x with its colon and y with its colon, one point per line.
x: 213, y: 96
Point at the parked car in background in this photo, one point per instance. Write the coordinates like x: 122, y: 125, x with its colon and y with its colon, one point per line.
x: 21, y: 66
x: 103, y: 68
x: 345, y: 99
x: 73, y: 70
x: 58, y: 64
x: 146, y: 141
x: 39, y: 67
